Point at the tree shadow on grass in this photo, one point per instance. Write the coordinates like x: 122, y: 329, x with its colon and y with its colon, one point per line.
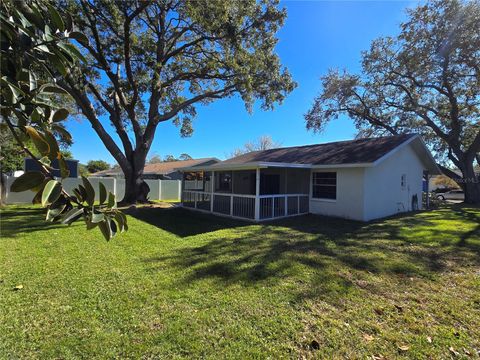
x: 182, y: 222
x: 15, y: 220
x: 320, y: 250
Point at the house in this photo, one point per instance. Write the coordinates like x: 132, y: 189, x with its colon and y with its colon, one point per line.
x: 163, y: 170
x: 360, y: 179
x: 72, y: 166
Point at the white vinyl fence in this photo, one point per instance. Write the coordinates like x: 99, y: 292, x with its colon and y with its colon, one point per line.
x: 159, y: 189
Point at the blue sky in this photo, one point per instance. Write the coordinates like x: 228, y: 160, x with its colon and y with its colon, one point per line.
x: 317, y: 35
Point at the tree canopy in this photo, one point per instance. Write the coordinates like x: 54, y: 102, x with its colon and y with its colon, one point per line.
x: 97, y: 165
x: 425, y: 80
x: 35, y: 46
x: 155, y: 61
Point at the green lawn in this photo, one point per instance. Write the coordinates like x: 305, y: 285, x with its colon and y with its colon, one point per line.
x: 186, y: 285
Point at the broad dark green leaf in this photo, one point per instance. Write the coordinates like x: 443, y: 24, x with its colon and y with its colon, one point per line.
x: 52, y: 143
x: 64, y: 171
x: 90, y: 198
x: 33, y: 80
x: 27, y: 181
x: 104, y: 227
x: 111, y: 201
x: 52, y: 88
x: 80, y: 37
x: 38, y: 140
x: 72, y: 215
x: 121, y: 220
x: 56, y: 18
x: 59, y: 115
x: 54, y: 212
x: 97, y: 217
x: 102, y: 193
x: 51, y: 192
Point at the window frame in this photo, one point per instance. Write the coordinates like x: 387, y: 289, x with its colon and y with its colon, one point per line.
x: 324, y: 184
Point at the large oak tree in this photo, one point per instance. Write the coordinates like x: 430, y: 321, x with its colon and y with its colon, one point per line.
x: 425, y: 80
x: 154, y: 61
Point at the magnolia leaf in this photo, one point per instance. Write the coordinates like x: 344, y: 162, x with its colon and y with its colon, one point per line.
x: 105, y: 229
x: 54, y: 212
x: 32, y: 80
x: 83, y: 192
x: 72, y: 51
x: 121, y: 220
x: 79, y: 195
x: 102, y: 193
x: 52, y: 143
x: 56, y: 18
x: 90, y: 192
x: 72, y: 215
x: 64, y: 171
x: 59, y: 115
x: 51, y: 192
x: 111, y: 201
x: 38, y: 140
x: 81, y: 38
x: 27, y: 181
x: 97, y: 217
x: 52, y: 88
x: 113, y: 227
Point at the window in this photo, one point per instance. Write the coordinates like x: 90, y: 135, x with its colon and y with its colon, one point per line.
x: 324, y: 185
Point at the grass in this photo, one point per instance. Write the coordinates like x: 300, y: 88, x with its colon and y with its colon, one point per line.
x: 186, y: 285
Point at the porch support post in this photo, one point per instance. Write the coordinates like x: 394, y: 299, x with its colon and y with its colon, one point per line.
x: 427, y: 189
x: 212, y: 190
x: 257, y: 194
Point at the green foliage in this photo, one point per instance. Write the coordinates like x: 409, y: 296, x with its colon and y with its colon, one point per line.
x: 11, y: 157
x: 424, y: 80
x: 159, y: 60
x: 94, y: 166
x: 35, y: 49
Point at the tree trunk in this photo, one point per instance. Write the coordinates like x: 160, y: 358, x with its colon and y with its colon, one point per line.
x: 3, y: 189
x: 471, y: 184
x: 136, y: 189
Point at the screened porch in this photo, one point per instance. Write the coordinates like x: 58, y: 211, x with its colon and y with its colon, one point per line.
x: 255, y: 194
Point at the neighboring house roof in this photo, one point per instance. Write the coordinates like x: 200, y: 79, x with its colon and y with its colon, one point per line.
x: 359, y: 152
x: 162, y: 168
x: 168, y: 167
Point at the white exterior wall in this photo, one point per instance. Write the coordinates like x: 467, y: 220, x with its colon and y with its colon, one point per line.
x: 350, y: 195
x: 384, y: 195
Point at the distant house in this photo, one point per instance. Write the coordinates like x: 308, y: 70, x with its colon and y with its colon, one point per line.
x: 163, y: 170
x: 360, y: 179
x: 72, y: 165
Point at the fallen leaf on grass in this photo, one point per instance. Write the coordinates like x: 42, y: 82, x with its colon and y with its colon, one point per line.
x: 378, y: 357
x: 315, y: 345
x: 403, y: 347
x: 378, y: 311
x: 453, y: 351
x: 398, y: 307
x: 368, y: 337
x: 429, y: 339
